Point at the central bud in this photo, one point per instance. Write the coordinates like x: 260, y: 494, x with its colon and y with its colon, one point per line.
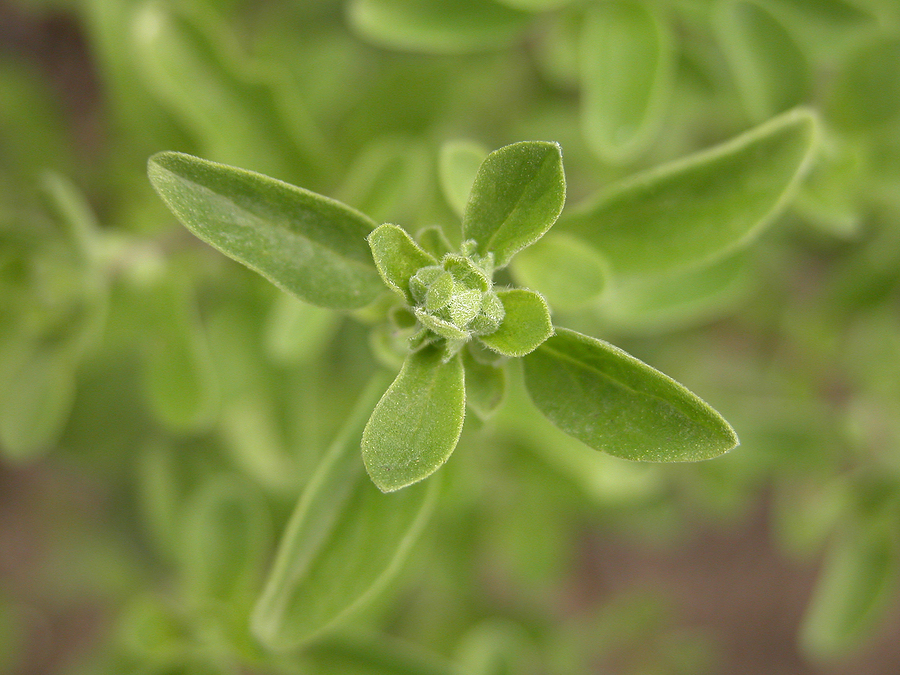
x: 455, y: 299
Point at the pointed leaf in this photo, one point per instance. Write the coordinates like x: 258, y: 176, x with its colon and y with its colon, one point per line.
x: 771, y: 71
x: 437, y: 26
x: 613, y: 402
x: 416, y: 424
x: 457, y: 166
x: 526, y: 323
x: 627, y: 60
x: 697, y: 209
x: 518, y: 194
x: 398, y: 258
x: 304, y: 243
x: 343, y: 543
x: 567, y: 271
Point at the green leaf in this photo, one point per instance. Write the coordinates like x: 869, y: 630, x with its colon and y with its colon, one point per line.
x: 700, y: 208
x: 416, y: 424
x: 772, y: 72
x: 457, y: 167
x: 304, y: 243
x: 398, y: 258
x: 342, y: 545
x: 375, y: 654
x: 227, y: 538
x: 433, y: 240
x: 485, y: 385
x: 525, y: 325
x: 857, y: 581
x: 627, y: 59
x: 568, y: 272
x: 297, y: 332
x: 437, y: 26
x: 615, y: 403
x: 866, y: 92
x: 518, y: 194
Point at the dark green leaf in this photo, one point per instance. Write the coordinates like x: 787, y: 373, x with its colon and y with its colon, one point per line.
x: 615, y: 403
x: 398, y: 258
x: 518, y: 194
x: 702, y: 207
x: 304, y: 243
x: 344, y: 542
x: 627, y: 61
x: 437, y: 26
x: 416, y: 424
x: 525, y: 325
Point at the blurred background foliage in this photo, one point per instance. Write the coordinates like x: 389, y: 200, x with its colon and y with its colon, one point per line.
x: 161, y: 408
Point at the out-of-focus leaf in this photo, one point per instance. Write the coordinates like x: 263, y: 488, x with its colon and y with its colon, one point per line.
x: 304, y: 243
x: 702, y: 207
x: 866, y: 93
x: 437, y: 26
x: 485, y: 385
x: 615, y: 403
x: 372, y: 655
x: 567, y: 271
x: 518, y: 193
x: 496, y: 648
x: 344, y: 542
x: 458, y: 165
x: 627, y: 58
x: 297, y: 332
x: 771, y: 71
x: 416, y: 424
x: 856, y: 582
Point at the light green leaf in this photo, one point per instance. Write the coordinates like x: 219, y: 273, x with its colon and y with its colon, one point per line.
x: 433, y: 240
x: 437, y: 26
x: 525, y: 325
x: 627, y: 59
x: 304, y: 243
x: 485, y: 385
x: 227, y: 538
x: 568, y: 272
x: 857, y: 581
x: 457, y: 167
x: 518, y: 194
x: 866, y: 92
x: 771, y: 71
x: 700, y: 208
x: 297, y: 332
x: 398, y: 258
x: 615, y: 403
x: 416, y: 424
x: 344, y: 542
x: 536, y: 5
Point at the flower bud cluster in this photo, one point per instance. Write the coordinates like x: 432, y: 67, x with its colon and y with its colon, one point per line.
x: 455, y: 299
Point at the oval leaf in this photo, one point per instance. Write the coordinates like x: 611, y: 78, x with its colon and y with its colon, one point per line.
x: 304, y: 243
x: 398, y: 258
x: 437, y: 26
x: 771, y: 71
x: 526, y: 323
x: 697, y: 209
x: 615, y: 403
x: 416, y: 424
x: 626, y: 78
x: 457, y: 167
x: 343, y: 543
x: 518, y: 194
x: 567, y: 271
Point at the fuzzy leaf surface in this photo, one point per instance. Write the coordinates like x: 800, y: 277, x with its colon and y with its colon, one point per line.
x: 613, y: 402
x: 306, y: 244
x: 518, y: 194
x: 343, y: 543
x: 697, y: 209
x: 397, y: 258
x: 525, y: 325
x: 417, y: 423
